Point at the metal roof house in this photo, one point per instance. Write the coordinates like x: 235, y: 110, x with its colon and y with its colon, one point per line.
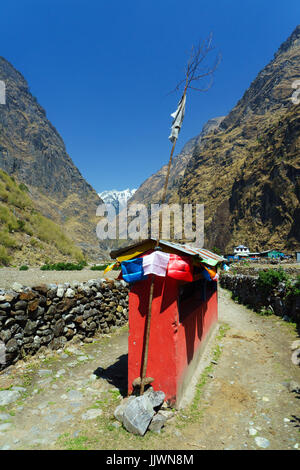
x: 241, y: 250
x: 183, y: 317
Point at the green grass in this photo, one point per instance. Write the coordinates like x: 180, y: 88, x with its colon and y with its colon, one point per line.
x: 74, y: 443
x: 98, y: 267
x: 102, y: 267
x: 62, y: 267
x: 264, y: 312
x: 4, y: 257
x: 195, y: 411
x: 7, y: 240
x: 18, y: 214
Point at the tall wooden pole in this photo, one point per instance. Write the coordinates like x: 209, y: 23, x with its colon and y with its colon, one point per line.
x: 148, y: 322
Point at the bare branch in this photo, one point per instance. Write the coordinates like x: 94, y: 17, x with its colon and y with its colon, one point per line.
x: 195, y: 71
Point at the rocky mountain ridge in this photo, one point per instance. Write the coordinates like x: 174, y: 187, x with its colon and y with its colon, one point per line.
x: 32, y: 150
x: 247, y: 171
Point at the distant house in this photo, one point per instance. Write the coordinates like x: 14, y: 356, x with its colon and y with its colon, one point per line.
x: 241, y: 251
x: 268, y: 254
x: 275, y: 254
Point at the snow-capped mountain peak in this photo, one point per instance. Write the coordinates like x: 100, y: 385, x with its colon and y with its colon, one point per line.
x: 117, y: 198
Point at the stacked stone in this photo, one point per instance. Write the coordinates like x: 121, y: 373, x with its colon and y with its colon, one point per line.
x: 246, y: 290
x: 140, y: 413
x: 50, y: 315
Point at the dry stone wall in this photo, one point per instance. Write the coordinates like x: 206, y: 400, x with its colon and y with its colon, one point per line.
x: 245, y: 289
x: 51, y: 315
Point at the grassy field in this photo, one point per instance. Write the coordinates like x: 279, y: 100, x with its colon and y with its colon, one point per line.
x: 23, y: 228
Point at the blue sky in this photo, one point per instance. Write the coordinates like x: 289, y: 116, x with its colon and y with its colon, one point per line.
x: 103, y: 70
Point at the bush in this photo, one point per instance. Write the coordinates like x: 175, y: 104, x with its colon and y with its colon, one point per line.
x: 62, y: 267
x: 270, y: 279
x: 293, y: 289
x: 101, y: 267
x: 98, y: 267
x: 23, y: 267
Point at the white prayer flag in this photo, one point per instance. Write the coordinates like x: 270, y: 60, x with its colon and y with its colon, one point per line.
x: 156, y: 263
x: 178, y: 116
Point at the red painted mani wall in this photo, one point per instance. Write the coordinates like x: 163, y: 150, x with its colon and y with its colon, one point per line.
x: 173, y: 343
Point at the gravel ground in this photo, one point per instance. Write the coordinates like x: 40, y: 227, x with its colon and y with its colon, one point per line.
x: 34, y: 276
x: 55, y: 401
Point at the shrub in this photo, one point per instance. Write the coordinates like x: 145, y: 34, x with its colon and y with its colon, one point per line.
x: 293, y: 289
x: 62, y: 267
x: 270, y: 279
x: 98, y: 267
x: 23, y: 267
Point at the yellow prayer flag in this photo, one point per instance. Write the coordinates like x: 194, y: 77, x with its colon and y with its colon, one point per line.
x: 109, y: 267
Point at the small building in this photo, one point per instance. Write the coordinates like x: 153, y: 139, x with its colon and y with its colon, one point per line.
x: 241, y: 251
x: 183, y: 317
x: 275, y: 254
x: 298, y: 256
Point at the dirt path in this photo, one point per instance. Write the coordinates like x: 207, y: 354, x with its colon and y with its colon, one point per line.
x: 34, y: 276
x: 65, y: 400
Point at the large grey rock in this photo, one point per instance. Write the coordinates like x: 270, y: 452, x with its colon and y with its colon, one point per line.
x: 138, y: 415
x: 156, y: 398
x: 119, y: 411
x: 157, y: 423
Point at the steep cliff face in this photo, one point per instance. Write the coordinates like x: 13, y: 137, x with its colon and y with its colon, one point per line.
x: 245, y: 168
x: 32, y: 150
x: 26, y: 237
x: 247, y: 175
x: 272, y: 88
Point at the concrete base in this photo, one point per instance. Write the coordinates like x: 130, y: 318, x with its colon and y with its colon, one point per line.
x: 199, y: 362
